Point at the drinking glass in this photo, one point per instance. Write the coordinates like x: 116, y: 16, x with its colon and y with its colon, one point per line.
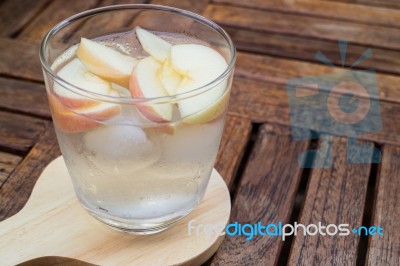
x: 134, y: 173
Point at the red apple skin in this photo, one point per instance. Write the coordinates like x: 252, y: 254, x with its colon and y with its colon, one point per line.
x: 146, y: 110
x: 67, y: 120
x: 74, y: 103
x: 71, y: 122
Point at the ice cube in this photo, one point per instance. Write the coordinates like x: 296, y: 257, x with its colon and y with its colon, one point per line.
x: 121, y: 149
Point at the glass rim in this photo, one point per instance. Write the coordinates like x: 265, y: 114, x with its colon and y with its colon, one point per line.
x: 113, y: 99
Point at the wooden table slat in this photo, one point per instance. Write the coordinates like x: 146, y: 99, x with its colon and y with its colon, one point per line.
x: 8, y: 162
x: 54, y: 13
x: 20, y: 60
x: 166, y: 22
x: 385, y: 250
x: 267, y: 102
x: 15, y: 14
x: 298, y: 25
x: 305, y: 48
x: 334, y: 196
x: 373, y: 3
x: 196, y: 6
x: 234, y: 140
x: 18, y: 132
x: 266, y: 193
x: 16, y: 190
x: 279, y: 70
x: 22, y: 96
x: 325, y: 9
x: 98, y: 24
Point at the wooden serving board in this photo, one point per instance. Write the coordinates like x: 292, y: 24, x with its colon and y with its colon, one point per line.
x: 53, y: 226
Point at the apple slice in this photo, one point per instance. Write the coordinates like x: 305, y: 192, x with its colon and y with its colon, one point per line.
x: 169, y: 78
x: 210, y: 113
x: 103, y: 111
x: 153, y: 45
x: 81, y: 119
x: 201, y: 65
x: 106, y: 62
x: 160, y: 50
x: 78, y: 75
x: 145, y: 83
x: 122, y: 91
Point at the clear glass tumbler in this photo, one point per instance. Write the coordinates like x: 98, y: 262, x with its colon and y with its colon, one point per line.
x: 134, y: 167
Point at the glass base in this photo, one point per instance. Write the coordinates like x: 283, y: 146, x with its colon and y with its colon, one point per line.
x: 136, y: 228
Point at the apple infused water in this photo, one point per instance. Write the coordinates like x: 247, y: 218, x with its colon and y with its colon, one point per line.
x: 140, y: 157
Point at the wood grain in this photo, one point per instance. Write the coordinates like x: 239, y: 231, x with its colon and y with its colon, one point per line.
x: 385, y: 250
x: 280, y: 39
x: 266, y: 193
x: 325, y: 9
x: 19, y: 132
x: 20, y: 60
x: 234, y: 140
x: 8, y: 162
x: 196, y: 6
x: 24, y: 97
x: 104, y: 3
x: 15, y: 192
x: 166, y: 22
x: 373, y: 3
x: 334, y: 196
x: 53, y: 204
x: 54, y: 13
x: 298, y: 25
x: 279, y: 70
x: 97, y: 25
x: 15, y: 14
x: 304, y: 48
x: 266, y: 102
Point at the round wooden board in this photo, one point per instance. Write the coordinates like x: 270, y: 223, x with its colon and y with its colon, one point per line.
x: 53, y: 225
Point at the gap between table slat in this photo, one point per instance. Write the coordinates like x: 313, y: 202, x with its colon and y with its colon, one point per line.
x: 265, y: 193
x: 385, y: 250
x: 334, y: 195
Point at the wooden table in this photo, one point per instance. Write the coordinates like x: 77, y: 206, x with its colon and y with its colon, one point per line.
x: 276, y: 40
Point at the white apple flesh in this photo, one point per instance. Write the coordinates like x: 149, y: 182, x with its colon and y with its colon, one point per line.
x: 184, y: 68
x: 82, y: 119
x: 106, y: 62
x: 78, y: 75
x: 169, y: 78
x: 201, y: 65
x: 145, y: 83
x: 160, y: 50
x: 153, y: 45
x: 73, y: 112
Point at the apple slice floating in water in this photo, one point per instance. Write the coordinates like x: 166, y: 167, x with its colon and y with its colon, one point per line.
x: 154, y: 45
x: 170, y: 79
x: 106, y: 62
x: 145, y: 83
x: 201, y: 65
x: 81, y: 119
x: 185, y: 67
x: 78, y: 75
x: 73, y: 112
x: 160, y: 50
